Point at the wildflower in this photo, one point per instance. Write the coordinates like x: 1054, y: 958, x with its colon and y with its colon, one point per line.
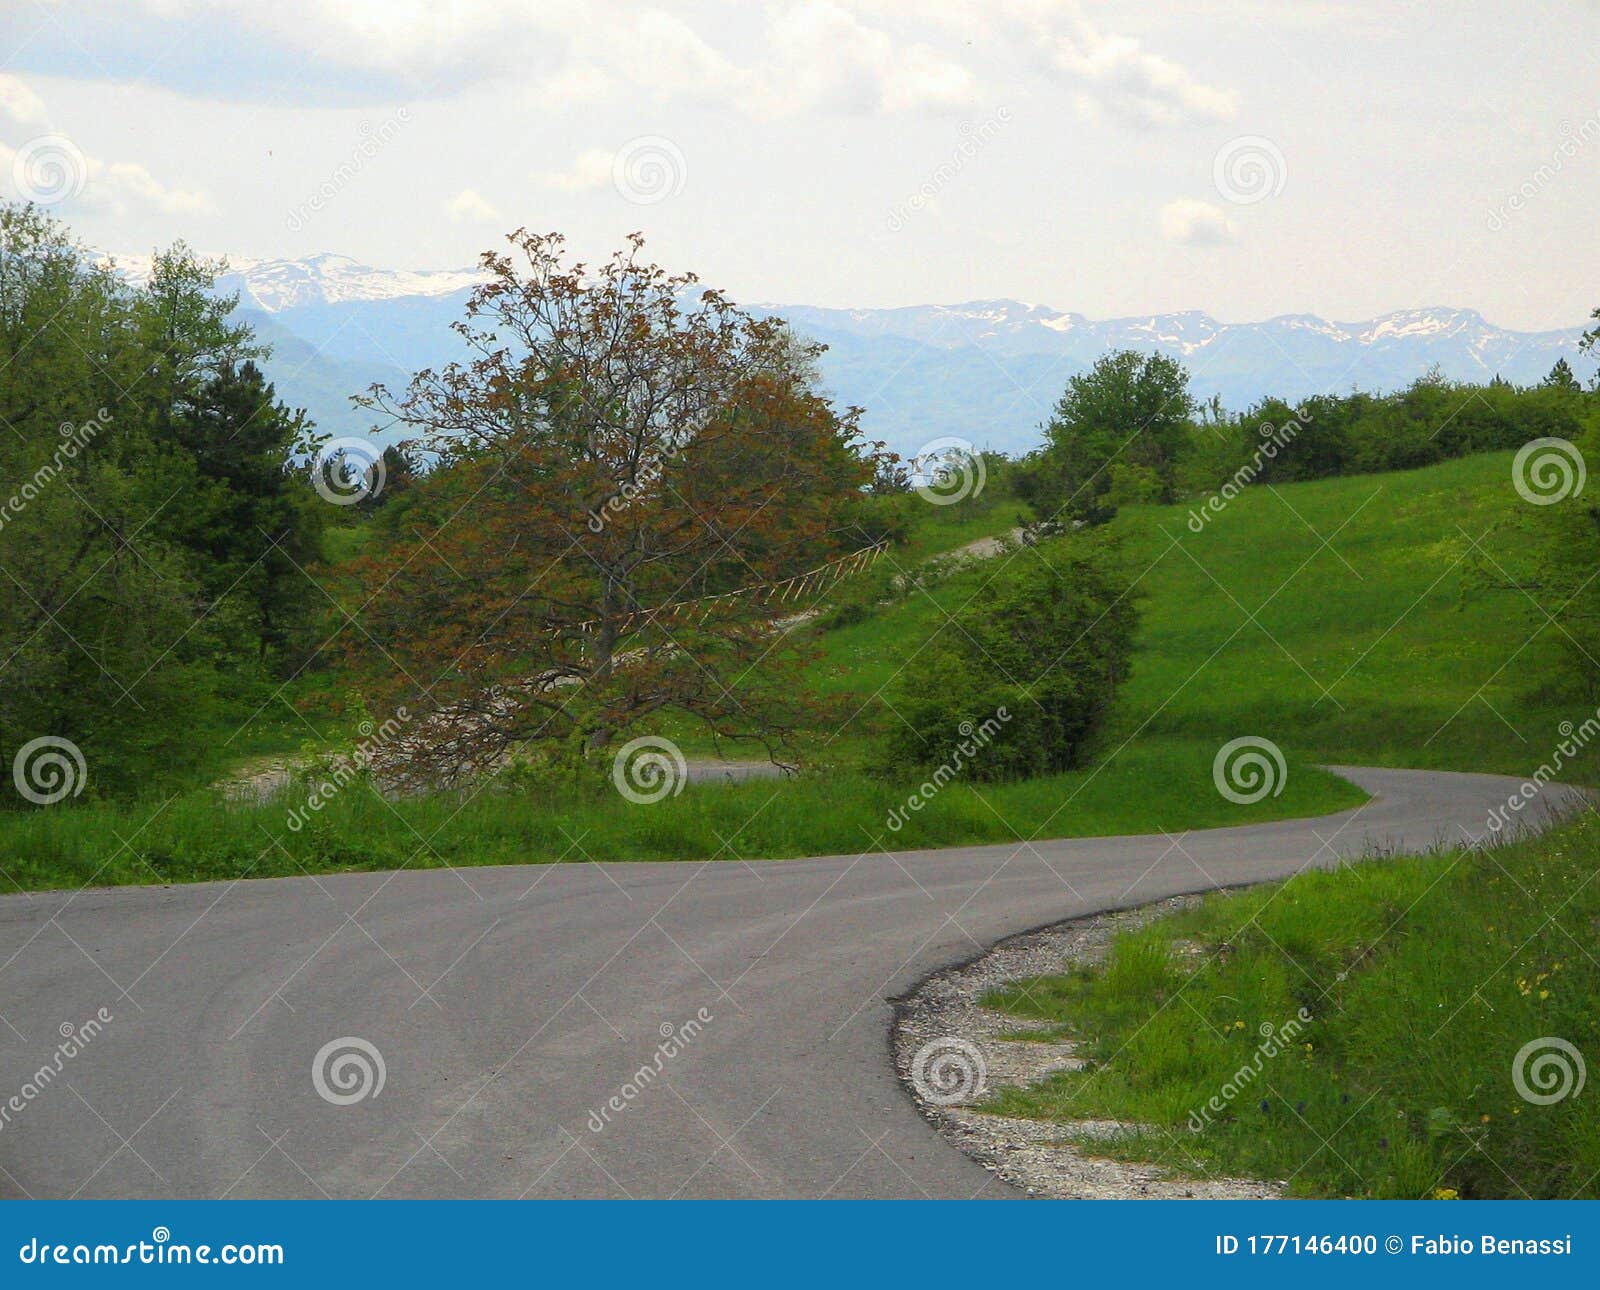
x: 1446, y: 1193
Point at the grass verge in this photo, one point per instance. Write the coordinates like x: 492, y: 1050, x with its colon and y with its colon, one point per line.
x: 199, y: 836
x: 1411, y: 1005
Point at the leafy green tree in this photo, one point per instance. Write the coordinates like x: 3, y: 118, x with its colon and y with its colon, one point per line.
x: 1130, y: 409
x: 93, y: 610
x: 623, y: 448
x: 145, y: 513
x: 1304, y: 442
x: 398, y: 470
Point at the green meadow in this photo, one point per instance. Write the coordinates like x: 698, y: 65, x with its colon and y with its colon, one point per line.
x: 1348, y: 621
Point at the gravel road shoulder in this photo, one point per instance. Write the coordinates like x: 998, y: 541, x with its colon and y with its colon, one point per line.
x: 950, y: 1055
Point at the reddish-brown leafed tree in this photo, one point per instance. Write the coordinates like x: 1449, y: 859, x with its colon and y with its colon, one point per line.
x: 628, y: 460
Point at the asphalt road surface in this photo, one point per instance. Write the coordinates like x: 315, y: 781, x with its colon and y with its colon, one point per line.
x: 508, y: 1006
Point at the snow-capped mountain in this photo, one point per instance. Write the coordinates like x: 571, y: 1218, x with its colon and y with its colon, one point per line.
x: 322, y: 279
x: 986, y: 370
x: 277, y: 285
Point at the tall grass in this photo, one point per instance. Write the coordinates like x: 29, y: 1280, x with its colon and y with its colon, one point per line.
x: 1425, y: 980
x: 201, y: 836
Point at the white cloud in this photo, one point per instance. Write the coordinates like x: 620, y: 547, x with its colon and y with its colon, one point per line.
x: 19, y: 103
x: 662, y: 53
x: 1117, y: 74
x: 47, y: 166
x: 469, y: 206
x: 784, y: 57
x: 589, y: 170
x: 1188, y: 222
x: 123, y: 185
x: 579, y: 83
x: 1139, y: 87
x: 823, y: 52
x: 789, y: 56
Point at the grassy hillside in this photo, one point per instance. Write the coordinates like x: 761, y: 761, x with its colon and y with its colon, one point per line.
x: 1351, y: 620
x: 1338, y: 619
x: 1342, y: 619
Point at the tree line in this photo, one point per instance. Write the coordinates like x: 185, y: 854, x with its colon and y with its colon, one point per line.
x: 151, y: 523
x: 1130, y: 430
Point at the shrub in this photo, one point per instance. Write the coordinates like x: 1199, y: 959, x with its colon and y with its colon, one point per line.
x: 1024, y: 673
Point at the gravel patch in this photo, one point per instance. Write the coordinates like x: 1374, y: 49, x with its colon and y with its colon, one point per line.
x: 949, y: 1054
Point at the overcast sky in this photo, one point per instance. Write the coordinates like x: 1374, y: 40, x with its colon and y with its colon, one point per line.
x: 1244, y: 157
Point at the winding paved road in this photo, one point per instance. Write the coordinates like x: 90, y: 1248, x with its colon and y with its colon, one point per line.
x: 508, y: 1004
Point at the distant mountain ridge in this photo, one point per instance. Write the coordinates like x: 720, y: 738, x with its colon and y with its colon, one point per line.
x: 986, y: 370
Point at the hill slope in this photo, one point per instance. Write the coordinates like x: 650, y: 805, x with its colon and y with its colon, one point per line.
x: 1341, y: 619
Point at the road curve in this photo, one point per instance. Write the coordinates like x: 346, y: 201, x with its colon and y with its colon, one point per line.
x: 509, y: 1005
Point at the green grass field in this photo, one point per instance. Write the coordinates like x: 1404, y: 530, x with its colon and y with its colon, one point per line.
x: 1344, y: 620
x: 1372, y: 646
x: 1425, y: 981
x: 1351, y: 620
